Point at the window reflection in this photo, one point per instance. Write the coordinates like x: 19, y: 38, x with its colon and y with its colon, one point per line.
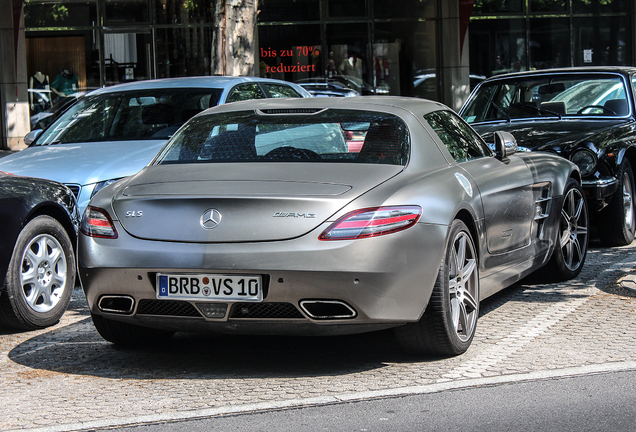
x: 347, y: 8
x: 183, y: 51
x: 602, y: 41
x: 601, y: 6
x: 548, y: 5
x: 59, y: 14
x: 497, y: 46
x: 288, y: 10
x: 497, y: 6
x: 133, y: 11
x: 549, y: 43
x: 184, y: 11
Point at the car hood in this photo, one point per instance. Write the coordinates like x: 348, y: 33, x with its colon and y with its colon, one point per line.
x: 248, y: 201
x: 82, y: 163
x: 535, y: 135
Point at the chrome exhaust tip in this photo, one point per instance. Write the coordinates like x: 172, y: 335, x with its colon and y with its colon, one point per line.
x: 116, y: 304
x: 327, y: 309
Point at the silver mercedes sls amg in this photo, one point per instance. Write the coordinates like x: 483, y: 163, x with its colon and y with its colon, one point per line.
x: 260, y: 217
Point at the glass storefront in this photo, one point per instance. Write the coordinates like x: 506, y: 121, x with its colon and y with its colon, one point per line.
x: 514, y: 35
x: 368, y: 46
x: 372, y: 47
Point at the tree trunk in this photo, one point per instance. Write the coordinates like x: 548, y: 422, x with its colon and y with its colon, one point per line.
x: 234, y: 41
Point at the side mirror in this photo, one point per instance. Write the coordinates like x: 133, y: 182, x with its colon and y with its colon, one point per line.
x: 505, y: 145
x: 32, y: 136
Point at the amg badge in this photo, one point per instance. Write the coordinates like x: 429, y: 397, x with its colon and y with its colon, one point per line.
x: 295, y: 215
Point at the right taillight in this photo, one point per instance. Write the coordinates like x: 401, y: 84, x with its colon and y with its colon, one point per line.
x: 97, y: 223
x: 372, y: 222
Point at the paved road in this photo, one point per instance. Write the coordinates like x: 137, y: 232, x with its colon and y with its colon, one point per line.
x: 68, y: 378
x: 592, y: 402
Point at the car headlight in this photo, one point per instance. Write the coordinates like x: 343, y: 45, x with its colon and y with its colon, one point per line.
x: 101, y: 185
x: 586, y: 161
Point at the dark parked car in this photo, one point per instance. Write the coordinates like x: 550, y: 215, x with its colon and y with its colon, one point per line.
x: 38, y: 231
x: 586, y: 115
x: 258, y: 217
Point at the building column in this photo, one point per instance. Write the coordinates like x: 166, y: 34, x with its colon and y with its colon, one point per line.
x: 453, y: 60
x: 14, y: 106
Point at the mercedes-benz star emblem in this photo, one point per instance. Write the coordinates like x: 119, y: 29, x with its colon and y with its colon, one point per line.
x: 210, y: 219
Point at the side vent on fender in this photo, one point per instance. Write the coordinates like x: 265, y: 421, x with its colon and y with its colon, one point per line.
x: 543, y: 201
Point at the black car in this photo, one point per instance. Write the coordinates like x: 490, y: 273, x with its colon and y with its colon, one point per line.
x: 38, y: 231
x: 586, y: 115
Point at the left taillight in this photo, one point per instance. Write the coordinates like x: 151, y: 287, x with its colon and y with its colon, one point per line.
x: 98, y: 223
x: 372, y: 222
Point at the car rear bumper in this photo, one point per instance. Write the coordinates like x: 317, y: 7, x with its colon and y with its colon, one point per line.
x: 310, y: 286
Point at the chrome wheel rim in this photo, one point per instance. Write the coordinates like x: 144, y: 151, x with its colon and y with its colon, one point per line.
x: 43, y: 273
x: 574, y: 224
x: 628, y: 205
x: 463, y: 286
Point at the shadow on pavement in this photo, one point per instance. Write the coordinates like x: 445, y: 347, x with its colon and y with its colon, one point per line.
x: 78, y: 349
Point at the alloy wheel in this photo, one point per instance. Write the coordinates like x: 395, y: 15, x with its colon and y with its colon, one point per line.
x: 43, y: 274
x: 628, y: 204
x: 574, y: 229
x: 463, y: 285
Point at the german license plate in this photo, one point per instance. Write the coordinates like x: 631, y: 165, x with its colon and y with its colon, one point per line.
x: 209, y: 287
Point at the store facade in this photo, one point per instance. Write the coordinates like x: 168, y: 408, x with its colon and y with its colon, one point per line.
x: 386, y: 47
x: 512, y: 35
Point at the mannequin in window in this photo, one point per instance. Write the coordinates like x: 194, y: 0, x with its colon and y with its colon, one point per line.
x: 40, y: 94
x: 65, y: 84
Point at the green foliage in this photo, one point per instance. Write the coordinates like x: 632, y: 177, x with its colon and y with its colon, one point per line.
x: 42, y: 15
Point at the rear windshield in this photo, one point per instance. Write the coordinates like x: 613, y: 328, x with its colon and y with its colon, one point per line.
x: 129, y: 115
x: 555, y: 96
x: 326, y: 136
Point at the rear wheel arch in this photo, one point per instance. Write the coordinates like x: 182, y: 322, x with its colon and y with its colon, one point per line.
x: 467, y: 217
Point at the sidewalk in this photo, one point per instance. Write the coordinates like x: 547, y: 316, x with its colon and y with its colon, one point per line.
x: 4, y: 153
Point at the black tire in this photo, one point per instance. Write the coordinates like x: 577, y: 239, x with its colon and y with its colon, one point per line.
x: 571, y: 244
x: 40, y: 278
x: 616, y: 222
x: 126, y: 334
x: 448, y: 325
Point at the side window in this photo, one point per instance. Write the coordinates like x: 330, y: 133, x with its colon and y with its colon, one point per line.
x: 281, y: 91
x: 460, y: 140
x: 245, y: 92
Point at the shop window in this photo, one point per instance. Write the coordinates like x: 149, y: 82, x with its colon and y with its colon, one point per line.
x: 350, y: 56
x: 184, y: 11
x: 61, y: 13
x: 602, y: 6
x: 549, y: 43
x: 128, y: 11
x: 286, y: 10
x: 404, y: 59
x: 548, y: 5
x: 183, y: 51
x: 497, y: 46
x: 483, y: 7
x: 291, y: 53
x: 347, y: 8
x: 127, y: 57
x: 404, y: 9
x: 602, y: 41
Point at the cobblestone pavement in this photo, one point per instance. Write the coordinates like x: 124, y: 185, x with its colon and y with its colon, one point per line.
x: 59, y: 377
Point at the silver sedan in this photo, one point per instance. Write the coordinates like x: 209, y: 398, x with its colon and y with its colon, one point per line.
x: 260, y: 217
